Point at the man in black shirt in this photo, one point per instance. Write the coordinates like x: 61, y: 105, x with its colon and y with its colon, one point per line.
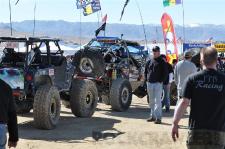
x: 155, y: 73
x: 7, y: 116
x: 206, y: 91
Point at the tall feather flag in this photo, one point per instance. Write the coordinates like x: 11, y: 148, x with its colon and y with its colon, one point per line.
x: 102, y: 27
x: 127, y: 1
x: 169, y: 37
x: 171, y: 2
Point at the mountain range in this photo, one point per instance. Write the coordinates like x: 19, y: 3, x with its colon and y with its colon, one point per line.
x: 86, y: 30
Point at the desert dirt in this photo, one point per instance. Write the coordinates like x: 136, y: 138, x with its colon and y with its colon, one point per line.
x: 115, y: 129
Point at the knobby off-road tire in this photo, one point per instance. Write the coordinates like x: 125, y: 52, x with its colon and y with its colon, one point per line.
x: 84, y: 98
x: 89, y: 62
x: 46, y: 107
x: 120, y: 95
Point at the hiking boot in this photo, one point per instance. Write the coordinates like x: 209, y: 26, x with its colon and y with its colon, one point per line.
x: 158, y: 121
x: 151, y: 119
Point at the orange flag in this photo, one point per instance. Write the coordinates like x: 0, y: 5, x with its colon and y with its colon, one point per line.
x: 169, y: 38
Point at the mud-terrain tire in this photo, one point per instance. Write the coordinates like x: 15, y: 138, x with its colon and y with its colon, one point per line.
x: 89, y: 62
x: 84, y: 98
x: 173, y: 94
x: 120, y: 95
x: 46, y: 107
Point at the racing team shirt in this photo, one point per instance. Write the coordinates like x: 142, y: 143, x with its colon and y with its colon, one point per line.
x: 206, y: 90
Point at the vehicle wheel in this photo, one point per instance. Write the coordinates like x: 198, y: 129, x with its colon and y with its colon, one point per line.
x: 120, y: 95
x: 84, y: 98
x: 105, y: 99
x: 46, y: 107
x: 23, y: 108
x: 173, y: 94
x: 89, y: 63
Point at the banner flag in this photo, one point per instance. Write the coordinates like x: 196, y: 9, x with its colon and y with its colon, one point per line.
x: 169, y: 38
x: 127, y: 1
x: 102, y: 27
x: 82, y: 3
x: 92, y: 7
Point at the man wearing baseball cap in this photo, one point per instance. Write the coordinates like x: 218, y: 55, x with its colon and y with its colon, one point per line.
x: 156, y: 72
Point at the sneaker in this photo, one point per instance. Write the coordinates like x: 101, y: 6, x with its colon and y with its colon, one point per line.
x: 158, y: 121
x: 150, y: 119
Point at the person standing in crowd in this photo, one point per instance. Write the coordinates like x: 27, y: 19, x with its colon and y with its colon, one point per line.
x: 205, y: 91
x: 174, y: 63
x: 182, y: 70
x: 155, y: 74
x: 166, y: 85
x: 7, y: 117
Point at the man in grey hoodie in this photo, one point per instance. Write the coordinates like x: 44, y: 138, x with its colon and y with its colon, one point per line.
x: 182, y: 70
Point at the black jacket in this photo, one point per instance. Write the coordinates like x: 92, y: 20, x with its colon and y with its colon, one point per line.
x: 156, y: 70
x: 8, y: 111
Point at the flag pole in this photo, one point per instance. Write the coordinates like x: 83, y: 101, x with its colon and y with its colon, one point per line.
x: 183, y: 22
x: 80, y: 26
x: 142, y: 21
x: 10, y: 16
x: 98, y: 18
x: 34, y: 19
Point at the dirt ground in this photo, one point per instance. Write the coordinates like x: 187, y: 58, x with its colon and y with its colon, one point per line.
x: 115, y: 130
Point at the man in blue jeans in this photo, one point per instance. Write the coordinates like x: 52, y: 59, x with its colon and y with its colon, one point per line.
x: 8, y: 117
x: 155, y: 74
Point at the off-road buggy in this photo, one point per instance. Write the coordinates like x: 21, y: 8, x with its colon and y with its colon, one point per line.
x: 38, y: 75
x: 115, y: 67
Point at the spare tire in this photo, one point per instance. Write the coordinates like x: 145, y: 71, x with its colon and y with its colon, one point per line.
x: 89, y: 62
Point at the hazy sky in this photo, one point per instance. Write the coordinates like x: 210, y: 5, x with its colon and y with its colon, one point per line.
x: 196, y: 11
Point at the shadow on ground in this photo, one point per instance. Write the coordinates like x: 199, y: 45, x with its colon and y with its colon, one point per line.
x: 72, y: 130
x: 134, y: 112
x: 138, y: 112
